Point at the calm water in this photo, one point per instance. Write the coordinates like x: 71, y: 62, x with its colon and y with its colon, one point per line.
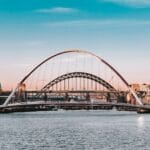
x: 75, y: 130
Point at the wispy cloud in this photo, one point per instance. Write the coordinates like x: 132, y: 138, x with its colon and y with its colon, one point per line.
x: 98, y: 23
x: 57, y: 10
x: 132, y: 3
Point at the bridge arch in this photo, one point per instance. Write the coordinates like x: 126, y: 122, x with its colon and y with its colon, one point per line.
x: 79, y: 75
x: 76, y: 51
x: 73, y: 51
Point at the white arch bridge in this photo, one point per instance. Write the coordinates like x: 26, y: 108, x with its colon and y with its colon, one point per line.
x: 73, y: 79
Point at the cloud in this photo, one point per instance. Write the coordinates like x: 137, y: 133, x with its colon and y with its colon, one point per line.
x: 132, y: 3
x: 97, y: 23
x: 57, y: 10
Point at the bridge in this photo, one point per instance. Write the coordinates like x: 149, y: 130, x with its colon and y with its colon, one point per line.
x: 73, y: 79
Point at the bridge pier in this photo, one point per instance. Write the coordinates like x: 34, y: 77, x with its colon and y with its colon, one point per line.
x: 87, y: 97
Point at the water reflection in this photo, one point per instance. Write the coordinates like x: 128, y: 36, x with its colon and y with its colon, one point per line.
x: 140, y: 121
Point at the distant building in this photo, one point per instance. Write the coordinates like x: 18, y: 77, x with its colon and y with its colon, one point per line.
x: 143, y: 90
x: 135, y: 87
x: 145, y: 87
x: 141, y: 87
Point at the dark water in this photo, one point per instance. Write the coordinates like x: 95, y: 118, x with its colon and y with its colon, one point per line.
x: 75, y: 130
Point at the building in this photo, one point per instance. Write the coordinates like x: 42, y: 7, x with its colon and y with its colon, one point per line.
x: 135, y: 87
x: 143, y: 91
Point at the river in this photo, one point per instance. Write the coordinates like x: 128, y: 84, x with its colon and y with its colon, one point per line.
x: 75, y: 130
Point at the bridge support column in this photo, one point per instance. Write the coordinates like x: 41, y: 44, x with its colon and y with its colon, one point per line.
x: 45, y: 97
x: 108, y: 97
x: 66, y: 97
x: 87, y: 97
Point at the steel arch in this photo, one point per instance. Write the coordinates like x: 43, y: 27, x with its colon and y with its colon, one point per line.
x: 79, y: 75
x: 74, y: 51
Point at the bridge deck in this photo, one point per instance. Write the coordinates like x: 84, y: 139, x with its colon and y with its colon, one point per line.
x: 42, y: 105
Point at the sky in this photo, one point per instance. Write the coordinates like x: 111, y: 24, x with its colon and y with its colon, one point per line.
x: 116, y: 30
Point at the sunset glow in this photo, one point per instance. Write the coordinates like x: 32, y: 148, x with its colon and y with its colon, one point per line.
x: 31, y: 31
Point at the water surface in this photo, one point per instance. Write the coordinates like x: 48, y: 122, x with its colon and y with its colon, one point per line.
x: 75, y: 130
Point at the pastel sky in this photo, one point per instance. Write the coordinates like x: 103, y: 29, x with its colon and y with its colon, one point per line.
x: 117, y: 30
